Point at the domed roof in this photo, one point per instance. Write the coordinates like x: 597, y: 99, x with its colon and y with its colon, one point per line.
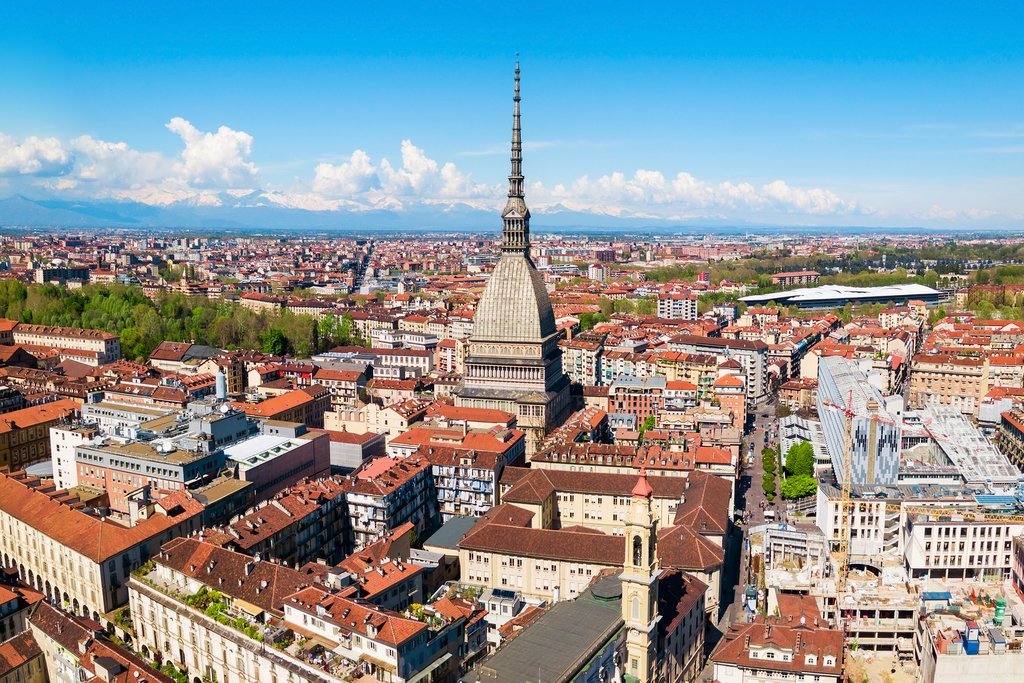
x: 515, y: 304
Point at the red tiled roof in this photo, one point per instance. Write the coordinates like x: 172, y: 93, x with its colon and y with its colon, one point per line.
x: 86, y: 534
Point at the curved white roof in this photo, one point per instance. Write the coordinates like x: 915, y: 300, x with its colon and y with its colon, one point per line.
x: 842, y: 293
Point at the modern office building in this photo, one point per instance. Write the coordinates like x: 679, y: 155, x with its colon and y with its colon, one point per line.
x: 846, y: 399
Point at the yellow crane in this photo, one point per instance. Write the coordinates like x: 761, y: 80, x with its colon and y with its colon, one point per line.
x: 966, y: 514
x: 845, y: 508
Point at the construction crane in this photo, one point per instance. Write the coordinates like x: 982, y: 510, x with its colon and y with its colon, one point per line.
x: 845, y: 495
x: 845, y: 503
x: 967, y: 514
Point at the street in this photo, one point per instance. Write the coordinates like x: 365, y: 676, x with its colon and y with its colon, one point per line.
x: 749, y: 498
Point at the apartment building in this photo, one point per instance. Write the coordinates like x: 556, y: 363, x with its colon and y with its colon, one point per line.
x: 344, y: 386
x: 306, y: 405
x: 701, y: 370
x: 941, y: 546
x: 1011, y: 436
x: 171, y: 614
x: 25, y: 433
x: 74, y: 557
x: 581, y: 357
x: 466, y: 481
x: 635, y: 396
x: 92, y: 347
x: 21, y: 660
x: 73, y: 651
x: 168, y: 629
x: 751, y: 355
x: 779, y: 648
x: 948, y: 379
x: 303, y: 523
x: 677, y: 306
x: 731, y: 396
x: 388, y: 492
x: 419, y: 361
x: 797, y: 277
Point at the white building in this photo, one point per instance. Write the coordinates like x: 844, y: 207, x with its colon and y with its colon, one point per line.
x: 678, y: 306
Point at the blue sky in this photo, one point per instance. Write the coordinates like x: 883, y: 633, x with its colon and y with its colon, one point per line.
x: 865, y: 113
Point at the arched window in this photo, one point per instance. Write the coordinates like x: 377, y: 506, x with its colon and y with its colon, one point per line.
x: 634, y: 607
x: 638, y: 551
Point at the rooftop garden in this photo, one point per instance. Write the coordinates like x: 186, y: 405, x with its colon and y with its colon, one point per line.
x: 216, y: 605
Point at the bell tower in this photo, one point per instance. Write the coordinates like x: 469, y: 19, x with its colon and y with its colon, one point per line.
x: 640, y: 584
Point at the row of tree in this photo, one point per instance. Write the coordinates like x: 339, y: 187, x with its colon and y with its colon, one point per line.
x: 142, y: 323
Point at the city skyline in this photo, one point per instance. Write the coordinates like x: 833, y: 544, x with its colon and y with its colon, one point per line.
x: 666, y: 116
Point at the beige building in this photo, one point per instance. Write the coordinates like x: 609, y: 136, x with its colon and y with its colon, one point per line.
x: 530, y: 543
x: 76, y: 558
x: 949, y: 380
x: 21, y: 660
x: 72, y: 651
x: 259, y: 599
x: 96, y: 346
x: 561, y: 499
x: 391, y: 421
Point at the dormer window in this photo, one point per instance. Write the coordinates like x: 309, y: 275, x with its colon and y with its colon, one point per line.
x: 830, y: 661
x: 811, y: 660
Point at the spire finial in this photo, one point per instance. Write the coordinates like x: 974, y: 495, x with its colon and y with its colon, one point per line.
x: 516, y: 217
x: 517, y: 137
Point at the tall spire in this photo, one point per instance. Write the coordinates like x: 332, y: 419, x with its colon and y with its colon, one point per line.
x: 515, y: 179
x: 515, y: 232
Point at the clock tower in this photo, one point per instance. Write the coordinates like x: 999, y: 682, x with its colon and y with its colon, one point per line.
x: 640, y: 585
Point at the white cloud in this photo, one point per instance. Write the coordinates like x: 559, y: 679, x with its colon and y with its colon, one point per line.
x: 115, y: 164
x: 214, y: 159
x: 652, y: 194
x: 215, y: 167
x: 382, y: 185
x: 355, y: 176
x: 32, y: 156
x: 803, y: 200
x: 208, y: 164
x: 938, y: 212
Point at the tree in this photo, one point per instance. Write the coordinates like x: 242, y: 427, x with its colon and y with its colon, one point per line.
x: 588, y: 320
x: 800, y: 459
x: 799, y: 486
x: 647, y: 424
x: 274, y: 342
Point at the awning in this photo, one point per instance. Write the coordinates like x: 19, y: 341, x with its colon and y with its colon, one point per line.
x: 425, y: 674
x: 247, y: 607
x: 379, y: 663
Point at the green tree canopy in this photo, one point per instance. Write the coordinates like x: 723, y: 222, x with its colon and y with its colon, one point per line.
x: 799, y: 486
x: 274, y: 342
x: 800, y: 459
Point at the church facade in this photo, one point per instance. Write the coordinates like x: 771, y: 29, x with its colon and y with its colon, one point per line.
x: 514, y: 361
